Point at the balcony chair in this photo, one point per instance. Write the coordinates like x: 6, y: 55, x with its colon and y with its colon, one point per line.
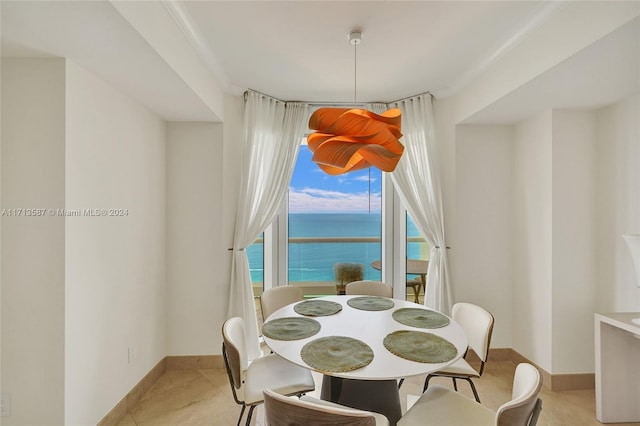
x: 248, y: 380
x: 440, y: 405
x: 284, y: 411
x: 275, y: 298
x: 477, y: 323
x: 369, y: 288
x: 346, y: 273
x: 416, y: 285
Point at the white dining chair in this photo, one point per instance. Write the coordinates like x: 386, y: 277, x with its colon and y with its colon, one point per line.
x: 477, y: 323
x: 248, y: 380
x: 281, y: 410
x: 441, y: 405
x: 369, y: 288
x: 275, y: 298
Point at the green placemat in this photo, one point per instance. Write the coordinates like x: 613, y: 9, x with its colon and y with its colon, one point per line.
x: 290, y: 328
x: 371, y: 303
x: 317, y: 308
x: 420, y: 346
x: 336, y: 354
x: 421, y: 318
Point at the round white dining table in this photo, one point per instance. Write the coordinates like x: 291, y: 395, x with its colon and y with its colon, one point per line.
x: 374, y: 386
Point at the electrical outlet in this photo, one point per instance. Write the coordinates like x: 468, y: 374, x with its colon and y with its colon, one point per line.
x: 5, y: 405
x: 131, y: 354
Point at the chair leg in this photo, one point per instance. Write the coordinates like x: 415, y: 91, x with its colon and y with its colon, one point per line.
x: 473, y: 388
x: 426, y: 383
x: 536, y: 413
x: 250, y: 414
x: 241, y: 414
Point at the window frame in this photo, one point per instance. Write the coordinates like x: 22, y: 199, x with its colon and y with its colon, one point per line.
x: 393, y: 241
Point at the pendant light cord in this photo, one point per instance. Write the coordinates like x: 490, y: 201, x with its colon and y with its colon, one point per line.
x: 369, y: 189
x: 355, y: 41
x: 355, y: 101
x: 355, y: 73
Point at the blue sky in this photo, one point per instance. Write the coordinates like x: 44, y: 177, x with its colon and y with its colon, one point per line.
x: 314, y: 191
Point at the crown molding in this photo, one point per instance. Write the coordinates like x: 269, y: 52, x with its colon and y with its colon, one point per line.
x: 193, y: 35
x: 545, y: 12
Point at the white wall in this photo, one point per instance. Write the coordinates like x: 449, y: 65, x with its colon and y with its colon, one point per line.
x: 100, y: 149
x: 526, y: 223
x: 203, y: 175
x: 78, y: 291
x: 618, y: 198
x: 575, y: 191
x: 485, y: 221
x: 554, y: 176
x: 195, y: 255
x: 574, y: 242
x: 115, y: 283
x: 33, y: 273
x: 532, y: 293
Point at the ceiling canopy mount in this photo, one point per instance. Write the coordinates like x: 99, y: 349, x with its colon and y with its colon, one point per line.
x: 355, y: 38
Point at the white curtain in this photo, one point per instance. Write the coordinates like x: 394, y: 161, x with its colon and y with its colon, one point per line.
x: 417, y: 181
x: 273, y: 130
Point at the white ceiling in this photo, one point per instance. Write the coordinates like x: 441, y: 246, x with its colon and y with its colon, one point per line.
x: 299, y: 50
x: 292, y: 50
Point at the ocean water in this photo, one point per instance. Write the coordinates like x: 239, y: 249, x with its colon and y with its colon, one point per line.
x: 314, y: 261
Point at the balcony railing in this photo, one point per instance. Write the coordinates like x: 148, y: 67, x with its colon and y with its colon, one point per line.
x: 309, y: 266
x: 311, y: 240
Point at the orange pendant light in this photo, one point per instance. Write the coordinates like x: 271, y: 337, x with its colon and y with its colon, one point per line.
x: 352, y: 139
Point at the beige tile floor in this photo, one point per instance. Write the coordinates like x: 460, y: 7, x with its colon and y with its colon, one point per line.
x: 203, y: 397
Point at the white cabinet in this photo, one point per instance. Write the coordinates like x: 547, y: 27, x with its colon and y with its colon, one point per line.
x: 617, y: 346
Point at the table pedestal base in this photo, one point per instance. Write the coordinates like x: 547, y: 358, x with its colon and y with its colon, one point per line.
x: 380, y: 396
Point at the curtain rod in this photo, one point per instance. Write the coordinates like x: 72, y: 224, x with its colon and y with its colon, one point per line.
x: 246, y: 92
x: 330, y: 103
x: 410, y: 97
x: 311, y: 104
